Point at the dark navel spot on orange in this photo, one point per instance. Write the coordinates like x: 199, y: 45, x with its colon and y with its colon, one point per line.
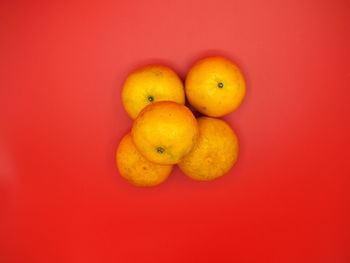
x: 220, y: 85
x: 160, y: 150
x: 150, y: 98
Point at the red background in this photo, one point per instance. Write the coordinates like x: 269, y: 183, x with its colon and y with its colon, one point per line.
x: 62, y: 66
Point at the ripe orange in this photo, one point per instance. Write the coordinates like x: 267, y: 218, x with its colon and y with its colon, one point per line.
x: 136, y: 169
x: 150, y: 84
x: 215, y: 86
x: 215, y: 152
x: 164, y: 132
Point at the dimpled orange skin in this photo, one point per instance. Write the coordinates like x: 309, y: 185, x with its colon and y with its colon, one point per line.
x: 215, y: 152
x: 136, y: 169
x: 150, y: 84
x: 215, y: 86
x: 164, y: 132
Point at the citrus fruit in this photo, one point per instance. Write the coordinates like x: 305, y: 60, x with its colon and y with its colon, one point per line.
x: 215, y: 152
x: 164, y: 132
x: 136, y: 169
x: 215, y: 86
x: 150, y: 84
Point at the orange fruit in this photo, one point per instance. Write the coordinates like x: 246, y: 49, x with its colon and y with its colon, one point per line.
x: 164, y: 132
x: 136, y: 169
x: 215, y: 152
x: 215, y: 86
x: 150, y: 84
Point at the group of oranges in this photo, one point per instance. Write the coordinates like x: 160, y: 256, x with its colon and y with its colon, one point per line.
x: 165, y: 132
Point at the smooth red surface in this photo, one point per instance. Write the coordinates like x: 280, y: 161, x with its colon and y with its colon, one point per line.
x: 62, y: 66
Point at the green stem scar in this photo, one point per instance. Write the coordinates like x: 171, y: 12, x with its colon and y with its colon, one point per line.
x: 160, y: 150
